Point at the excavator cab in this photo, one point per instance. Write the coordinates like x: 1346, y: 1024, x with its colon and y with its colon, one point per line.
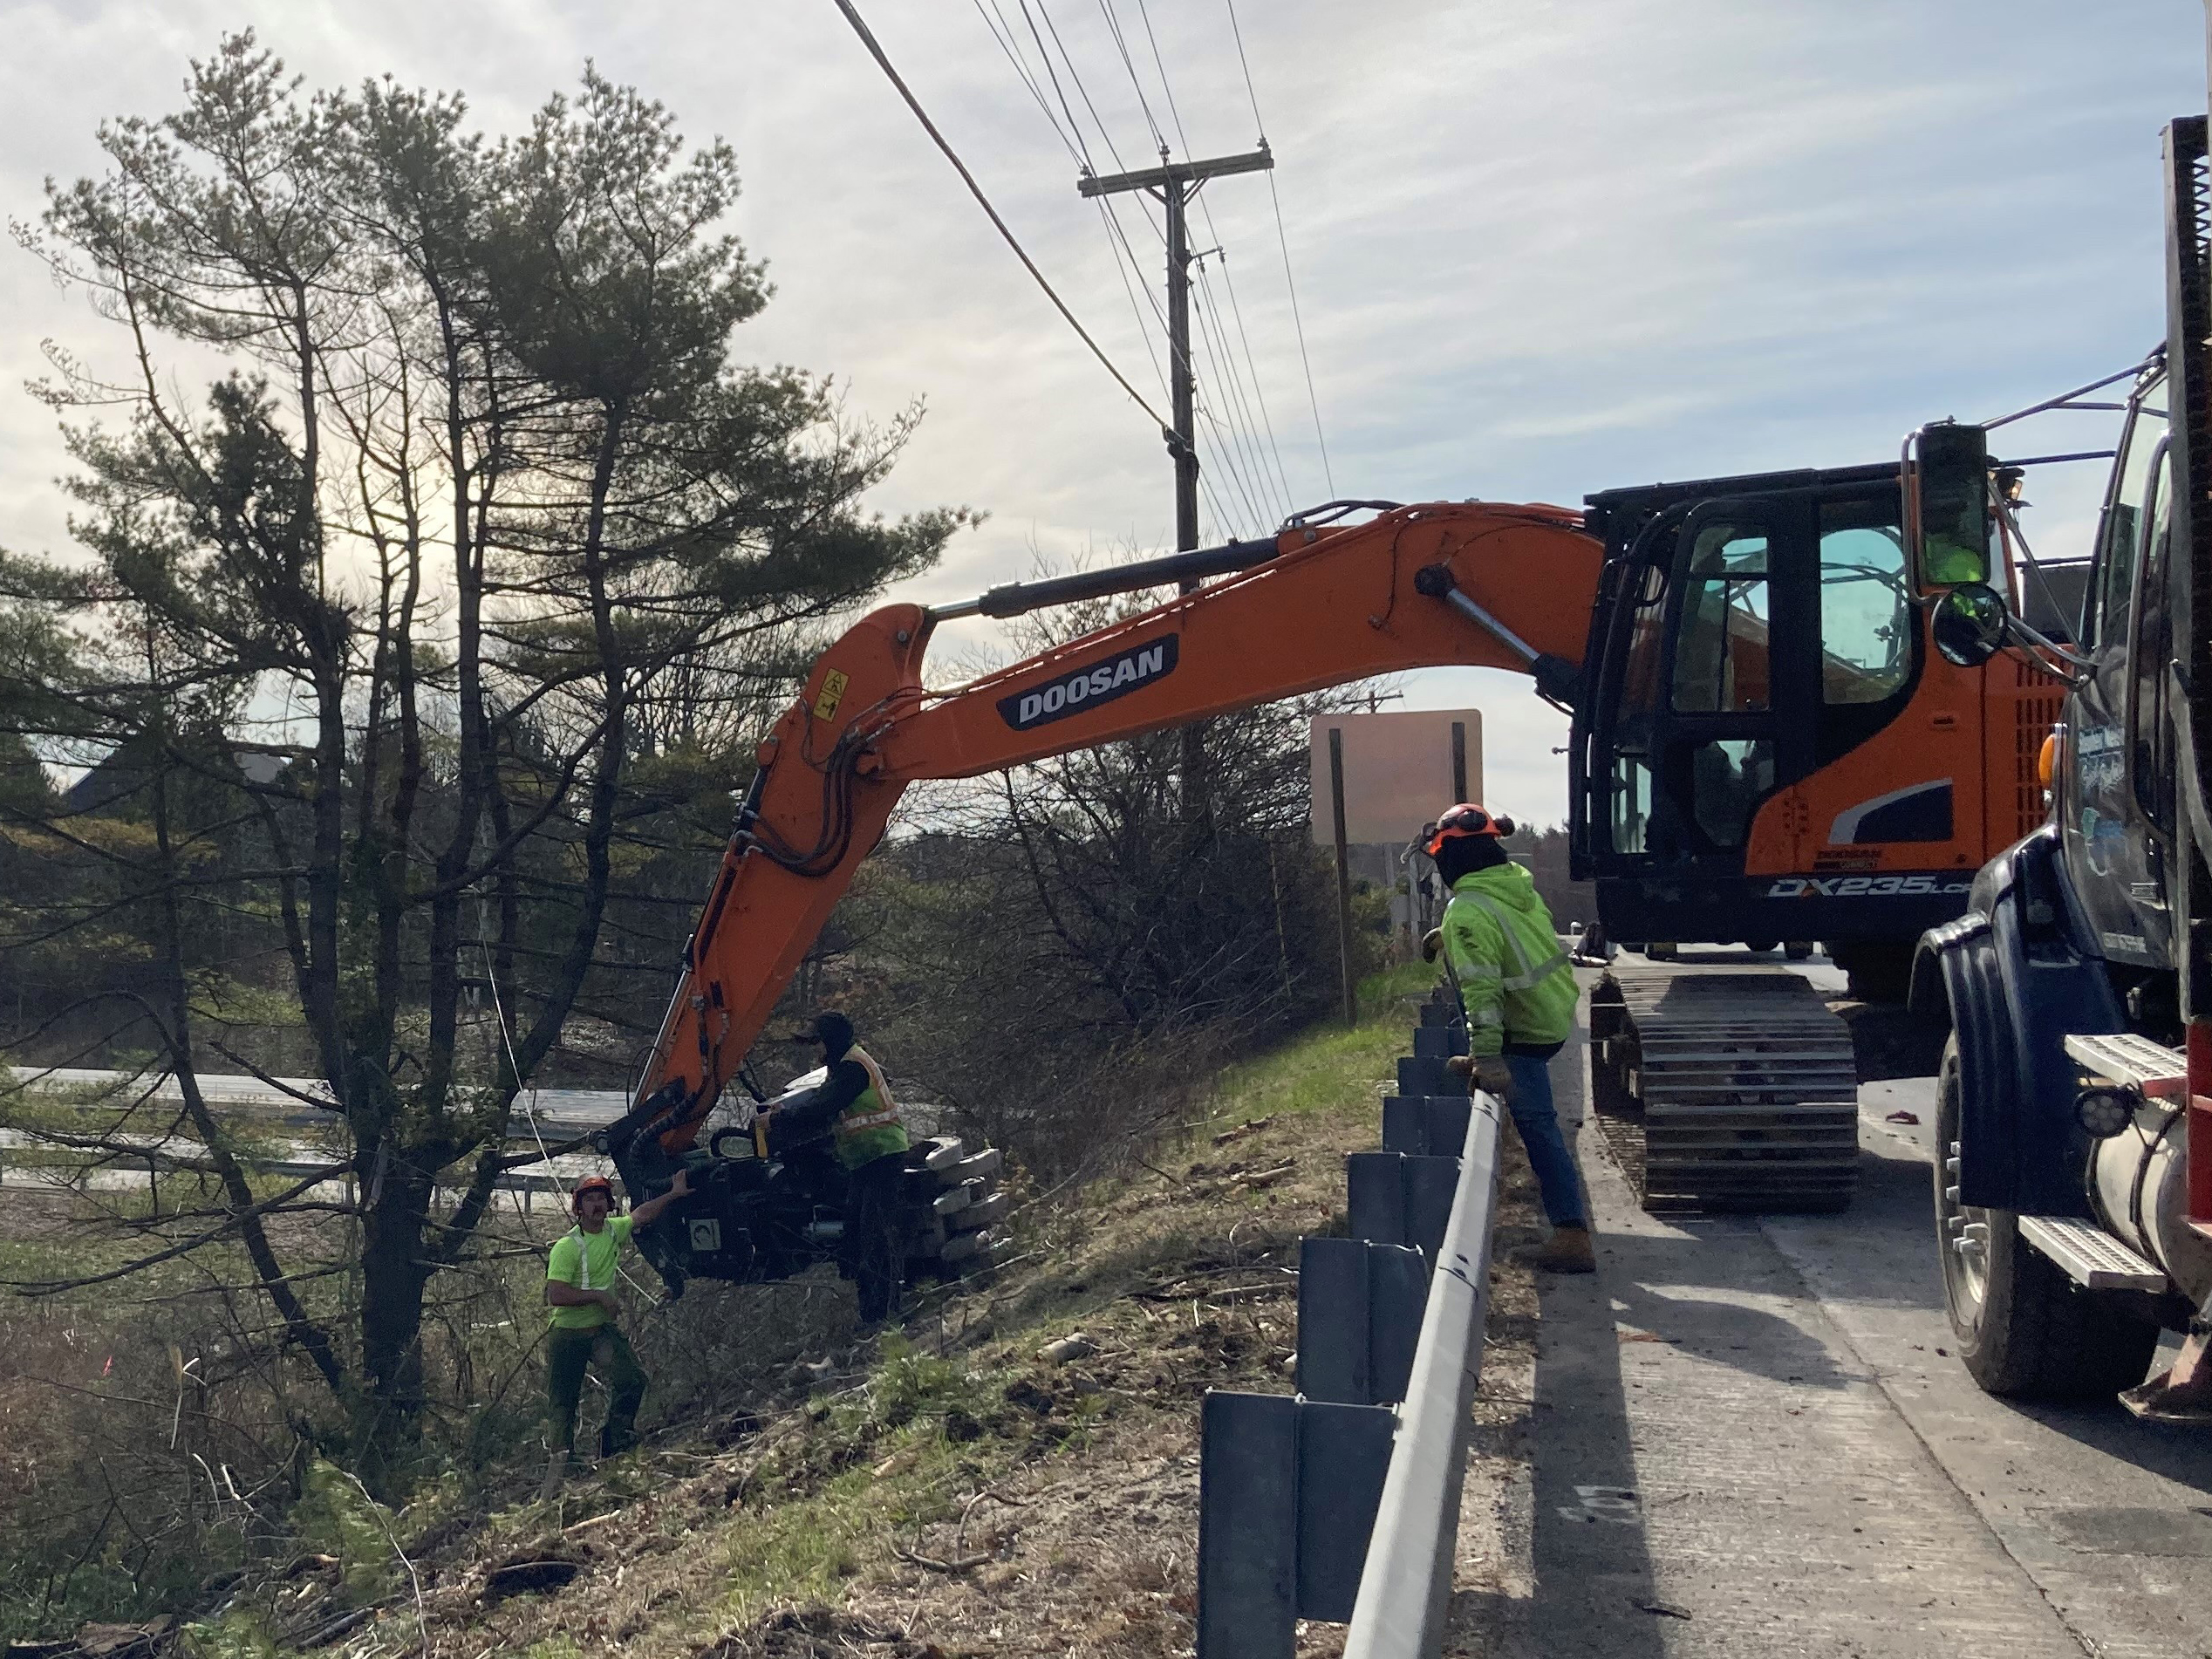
x: 1768, y: 748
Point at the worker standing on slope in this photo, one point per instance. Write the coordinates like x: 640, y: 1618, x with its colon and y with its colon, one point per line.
x: 579, y: 1287
x: 1518, y: 994
x: 854, y: 1106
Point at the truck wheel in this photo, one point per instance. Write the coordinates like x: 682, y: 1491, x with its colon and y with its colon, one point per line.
x: 1798, y: 950
x: 1877, y: 973
x: 1661, y: 951
x: 2026, y: 1331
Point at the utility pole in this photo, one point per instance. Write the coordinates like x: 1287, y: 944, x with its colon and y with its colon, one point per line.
x: 1173, y: 184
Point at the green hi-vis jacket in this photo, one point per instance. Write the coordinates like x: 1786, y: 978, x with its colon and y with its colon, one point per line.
x: 869, y: 1127
x: 1500, y: 945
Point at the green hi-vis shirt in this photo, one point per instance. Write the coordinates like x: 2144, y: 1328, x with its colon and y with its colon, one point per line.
x: 586, y: 1260
x: 1513, y: 978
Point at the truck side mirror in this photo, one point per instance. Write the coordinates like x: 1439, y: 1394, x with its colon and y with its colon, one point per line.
x: 1969, y: 624
x: 1947, y: 490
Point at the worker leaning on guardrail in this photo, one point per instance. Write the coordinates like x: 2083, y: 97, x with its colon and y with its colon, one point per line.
x: 1518, y: 992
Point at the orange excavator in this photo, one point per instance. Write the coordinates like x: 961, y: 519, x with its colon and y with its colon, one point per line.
x: 1767, y: 746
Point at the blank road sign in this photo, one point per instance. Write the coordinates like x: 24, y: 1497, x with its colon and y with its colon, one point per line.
x: 1400, y: 770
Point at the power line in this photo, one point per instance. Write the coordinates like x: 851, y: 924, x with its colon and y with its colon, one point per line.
x: 1283, y: 238
x: 1259, y: 393
x: 1224, y: 367
x: 1114, y: 28
x: 1252, y: 362
x: 1236, y: 385
x: 876, y: 52
x: 1008, y: 45
x: 1160, y: 64
x: 1216, y: 437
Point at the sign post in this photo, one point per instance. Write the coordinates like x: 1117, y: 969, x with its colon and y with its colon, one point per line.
x: 1344, y: 874
x: 1384, y: 778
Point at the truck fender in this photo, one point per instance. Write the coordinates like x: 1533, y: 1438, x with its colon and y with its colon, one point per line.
x: 2015, y: 976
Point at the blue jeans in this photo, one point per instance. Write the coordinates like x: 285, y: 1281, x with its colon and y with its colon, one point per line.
x: 1539, y: 1123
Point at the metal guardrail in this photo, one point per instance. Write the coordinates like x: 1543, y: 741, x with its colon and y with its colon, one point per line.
x: 1405, y: 1589
x: 1341, y: 1503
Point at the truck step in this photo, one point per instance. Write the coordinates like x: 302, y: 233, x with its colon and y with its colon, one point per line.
x: 2149, y: 1068
x: 2086, y: 1253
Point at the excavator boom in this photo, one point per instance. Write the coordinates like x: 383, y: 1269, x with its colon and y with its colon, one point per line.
x: 1473, y: 583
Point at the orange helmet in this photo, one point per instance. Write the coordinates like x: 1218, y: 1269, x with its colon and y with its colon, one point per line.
x: 1466, y: 819
x: 591, y: 1184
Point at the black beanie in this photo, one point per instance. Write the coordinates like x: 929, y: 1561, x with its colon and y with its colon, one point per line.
x: 833, y: 1032
x: 1464, y: 855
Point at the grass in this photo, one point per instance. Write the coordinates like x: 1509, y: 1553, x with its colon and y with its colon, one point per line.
x: 1324, y: 1068
x: 890, y: 1458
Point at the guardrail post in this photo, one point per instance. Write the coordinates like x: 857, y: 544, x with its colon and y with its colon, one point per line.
x: 1425, y: 1125
x: 1391, y: 1198
x: 1439, y: 1042
x: 1359, y: 1316
x: 1426, y: 1075
x: 1286, y: 1495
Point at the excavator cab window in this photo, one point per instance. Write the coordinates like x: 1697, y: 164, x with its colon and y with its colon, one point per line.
x: 1722, y: 660
x: 1752, y: 630
x: 1867, y: 629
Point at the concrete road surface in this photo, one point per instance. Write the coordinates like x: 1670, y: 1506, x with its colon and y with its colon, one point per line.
x: 1752, y: 1439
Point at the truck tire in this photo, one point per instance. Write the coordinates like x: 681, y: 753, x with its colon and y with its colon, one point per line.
x: 1798, y: 950
x: 1876, y: 973
x: 2026, y: 1331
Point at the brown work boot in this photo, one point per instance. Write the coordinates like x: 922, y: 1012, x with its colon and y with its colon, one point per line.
x: 1567, y: 1251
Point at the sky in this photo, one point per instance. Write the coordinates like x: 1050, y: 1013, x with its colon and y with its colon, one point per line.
x: 1540, y: 249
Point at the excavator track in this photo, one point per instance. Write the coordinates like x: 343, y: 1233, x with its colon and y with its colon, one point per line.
x: 1725, y: 1091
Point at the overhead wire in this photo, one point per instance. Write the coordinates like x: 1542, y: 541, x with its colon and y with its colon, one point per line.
x: 1248, y: 429
x: 1218, y: 390
x: 1208, y: 438
x: 1114, y: 28
x: 1250, y: 361
x: 875, y: 51
x: 1008, y: 45
x: 1260, y: 488
x: 1282, y: 237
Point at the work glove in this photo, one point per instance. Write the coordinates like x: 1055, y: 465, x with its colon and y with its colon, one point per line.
x: 1432, y: 943
x: 1492, y: 1077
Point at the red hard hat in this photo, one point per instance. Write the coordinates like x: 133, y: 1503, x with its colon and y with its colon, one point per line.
x: 1466, y: 819
x: 591, y: 1184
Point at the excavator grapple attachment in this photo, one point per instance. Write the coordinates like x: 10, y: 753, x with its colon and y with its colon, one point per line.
x: 1725, y: 1091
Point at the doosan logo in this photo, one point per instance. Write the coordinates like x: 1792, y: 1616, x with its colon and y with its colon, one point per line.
x: 1099, y: 682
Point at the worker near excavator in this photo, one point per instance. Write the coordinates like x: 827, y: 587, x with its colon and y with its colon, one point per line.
x: 853, y: 1107
x: 579, y: 1288
x: 1518, y: 991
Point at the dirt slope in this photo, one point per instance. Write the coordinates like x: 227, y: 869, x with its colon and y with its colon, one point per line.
x: 1014, y: 1473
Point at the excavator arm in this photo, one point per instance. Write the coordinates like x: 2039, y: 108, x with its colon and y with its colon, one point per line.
x: 1471, y: 583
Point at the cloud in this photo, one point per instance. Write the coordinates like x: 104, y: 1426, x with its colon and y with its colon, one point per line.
x: 1541, y: 250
